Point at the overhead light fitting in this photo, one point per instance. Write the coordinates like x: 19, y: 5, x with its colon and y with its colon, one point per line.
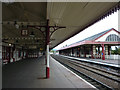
x: 16, y: 25
x: 10, y: 44
x: 32, y: 34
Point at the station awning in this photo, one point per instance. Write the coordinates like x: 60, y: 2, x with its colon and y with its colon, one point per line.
x: 75, y: 16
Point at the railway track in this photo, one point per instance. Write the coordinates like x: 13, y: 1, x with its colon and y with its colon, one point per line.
x: 105, y: 66
x: 100, y: 78
x: 113, y: 76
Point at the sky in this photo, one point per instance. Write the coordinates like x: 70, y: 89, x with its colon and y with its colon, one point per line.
x: 105, y: 24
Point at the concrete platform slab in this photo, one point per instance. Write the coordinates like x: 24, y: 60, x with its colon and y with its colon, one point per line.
x: 30, y: 73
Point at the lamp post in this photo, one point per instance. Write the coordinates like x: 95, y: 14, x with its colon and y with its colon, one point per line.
x: 47, y: 50
x: 48, y: 34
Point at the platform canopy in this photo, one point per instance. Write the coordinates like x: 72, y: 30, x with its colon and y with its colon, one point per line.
x: 75, y: 16
x: 109, y: 37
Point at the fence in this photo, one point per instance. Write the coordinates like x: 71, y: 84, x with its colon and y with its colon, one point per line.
x: 112, y: 57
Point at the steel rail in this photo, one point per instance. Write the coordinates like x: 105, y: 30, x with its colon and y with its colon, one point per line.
x: 86, y: 77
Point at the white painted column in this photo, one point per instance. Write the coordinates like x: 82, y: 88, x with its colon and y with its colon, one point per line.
x: 106, y: 51
x: 48, y: 66
x: 48, y: 56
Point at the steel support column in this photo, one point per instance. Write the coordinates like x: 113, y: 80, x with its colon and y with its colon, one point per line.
x: 47, y: 49
x: 84, y: 52
x: 79, y: 51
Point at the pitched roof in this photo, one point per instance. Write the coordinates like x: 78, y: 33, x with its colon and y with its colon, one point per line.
x: 91, y: 38
x: 94, y: 37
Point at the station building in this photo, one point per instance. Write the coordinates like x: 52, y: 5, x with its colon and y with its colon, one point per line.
x: 32, y: 29
x: 91, y: 47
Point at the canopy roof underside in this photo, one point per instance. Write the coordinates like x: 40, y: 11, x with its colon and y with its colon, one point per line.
x: 75, y: 16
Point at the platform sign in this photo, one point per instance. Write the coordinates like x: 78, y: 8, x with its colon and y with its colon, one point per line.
x: 24, y: 32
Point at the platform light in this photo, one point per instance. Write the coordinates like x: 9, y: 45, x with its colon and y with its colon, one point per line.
x: 32, y: 34
x: 17, y: 26
x: 10, y: 44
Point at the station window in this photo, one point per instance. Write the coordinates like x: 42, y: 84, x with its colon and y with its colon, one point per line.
x: 112, y: 38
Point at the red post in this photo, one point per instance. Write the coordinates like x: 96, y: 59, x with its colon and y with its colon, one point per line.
x: 103, y: 52
x: 79, y: 52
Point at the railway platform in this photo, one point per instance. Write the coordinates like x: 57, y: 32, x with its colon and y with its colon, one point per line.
x: 114, y: 63
x: 31, y: 73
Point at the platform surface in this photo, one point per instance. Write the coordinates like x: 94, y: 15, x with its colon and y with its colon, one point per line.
x: 31, y: 74
x: 115, y: 63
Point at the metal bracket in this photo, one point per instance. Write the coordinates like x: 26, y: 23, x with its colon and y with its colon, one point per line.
x: 55, y: 28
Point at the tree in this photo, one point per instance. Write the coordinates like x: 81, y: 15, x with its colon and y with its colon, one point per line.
x: 116, y: 51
